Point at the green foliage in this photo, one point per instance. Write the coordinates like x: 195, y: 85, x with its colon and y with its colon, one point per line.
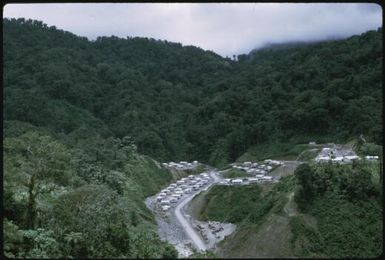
x: 273, y: 150
x: 234, y: 173
x: 345, y: 229
x: 78, y: 196
x: 346, y: 201
x: 222, y: 202
x: 185, y: 103
x: 78, y: 112
x: 306, y: 240
x: 354, y: 182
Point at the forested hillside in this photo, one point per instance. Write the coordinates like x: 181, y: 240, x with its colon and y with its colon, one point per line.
x: 78, y: 195
x: 83, y: 120
x: 180, y: 102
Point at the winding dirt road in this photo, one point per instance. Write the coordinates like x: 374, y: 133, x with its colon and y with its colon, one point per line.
x: 197, y: 240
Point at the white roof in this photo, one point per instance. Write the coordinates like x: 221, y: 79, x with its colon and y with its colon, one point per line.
x: 351, y: 156
x: 237, y: 180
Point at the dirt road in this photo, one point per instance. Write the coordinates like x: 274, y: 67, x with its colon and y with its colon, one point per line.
x: 196, y: 239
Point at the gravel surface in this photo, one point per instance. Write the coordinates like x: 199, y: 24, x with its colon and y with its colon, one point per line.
x: 184, y: 232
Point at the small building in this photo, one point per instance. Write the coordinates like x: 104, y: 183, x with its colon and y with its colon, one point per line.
x: 237, y: 182
x: 351, y: 157
x: 165, y: 208
x: 267, y: 178
x: 252, y: 180
x: 338, y: 159
x: 195, y: 162
x: 165, y: 202
x: 173, y: 200
x: 191, y: 177
x: 247, y: 163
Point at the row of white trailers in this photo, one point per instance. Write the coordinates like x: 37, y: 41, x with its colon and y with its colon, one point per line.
x: 169, y: 196
x: 181, y: 165
x: 253, y: 168
x: 257, y: 178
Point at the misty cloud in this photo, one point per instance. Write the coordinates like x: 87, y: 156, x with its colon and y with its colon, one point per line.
x: 226, y: 29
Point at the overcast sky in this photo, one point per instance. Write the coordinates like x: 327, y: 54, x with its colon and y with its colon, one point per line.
x: 226, y: 29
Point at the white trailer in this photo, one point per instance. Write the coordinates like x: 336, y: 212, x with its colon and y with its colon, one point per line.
x: 165, y: 207
x: 237, y: 182
x: 371, y: 157
x: 165, y: 202
x: 267, y: 178
x: 252, y: 180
